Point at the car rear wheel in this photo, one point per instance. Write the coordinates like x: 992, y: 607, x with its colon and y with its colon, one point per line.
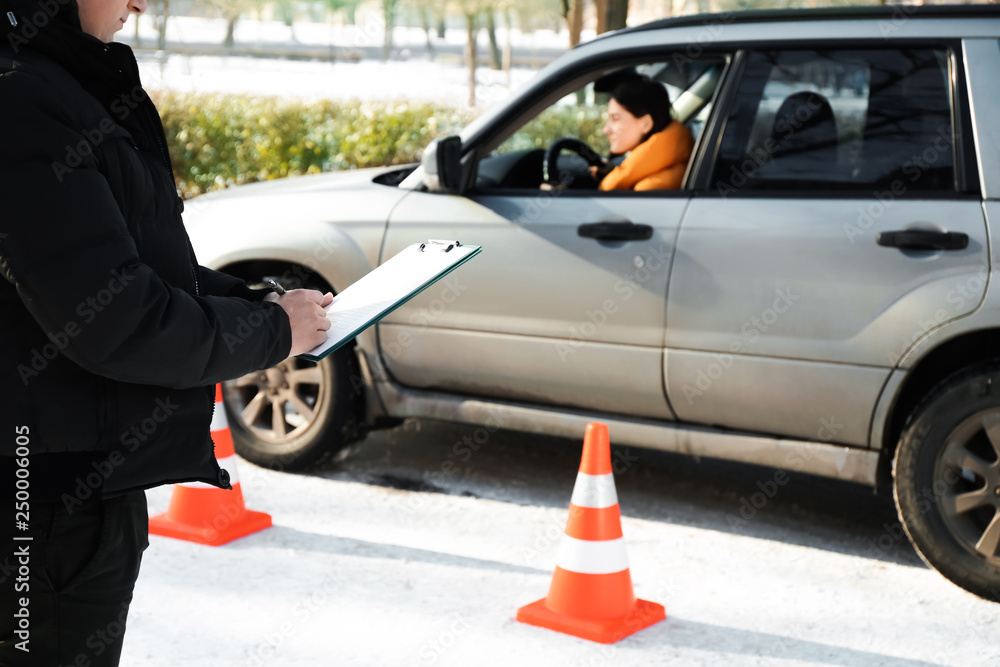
x: 946, y: 480
x: 296, y: 414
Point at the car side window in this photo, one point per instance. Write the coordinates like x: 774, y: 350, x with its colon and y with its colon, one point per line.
x: 579, y: 115
x: 862, y: 120
x: 519, y: 161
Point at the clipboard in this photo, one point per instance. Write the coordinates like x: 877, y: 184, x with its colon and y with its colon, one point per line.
x: 386, y: 288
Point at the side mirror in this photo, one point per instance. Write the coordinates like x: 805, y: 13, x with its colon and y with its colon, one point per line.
x: 442, y: 167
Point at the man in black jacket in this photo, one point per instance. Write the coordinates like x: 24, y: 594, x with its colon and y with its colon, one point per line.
x: 112, y: 337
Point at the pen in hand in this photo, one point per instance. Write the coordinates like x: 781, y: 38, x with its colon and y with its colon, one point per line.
x: 278, y: 289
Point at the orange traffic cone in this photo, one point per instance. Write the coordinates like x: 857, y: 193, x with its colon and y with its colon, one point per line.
x: 207, y: 514
x: 591, y: 594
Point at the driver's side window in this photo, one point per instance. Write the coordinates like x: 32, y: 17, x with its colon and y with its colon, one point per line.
x: 587, y: 139
x: 580, y: 115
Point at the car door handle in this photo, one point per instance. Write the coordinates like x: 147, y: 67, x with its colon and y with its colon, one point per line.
x: 615, y: 231
x: 923, y: 239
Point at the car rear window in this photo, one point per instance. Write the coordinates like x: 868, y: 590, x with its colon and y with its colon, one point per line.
x: 840, y: 120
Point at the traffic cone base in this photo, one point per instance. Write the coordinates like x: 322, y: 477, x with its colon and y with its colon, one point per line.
x: 206, y: 514
x: 222, y: 519
x: 591, y: 594
x: 601, y: 630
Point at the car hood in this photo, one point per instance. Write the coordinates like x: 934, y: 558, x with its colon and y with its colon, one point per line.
x: 300, y: 184
x: 285, y: 218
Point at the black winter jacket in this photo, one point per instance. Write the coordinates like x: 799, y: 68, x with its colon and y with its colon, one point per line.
x: 112, y: 337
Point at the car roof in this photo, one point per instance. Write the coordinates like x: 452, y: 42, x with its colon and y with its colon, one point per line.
x: 874, y: 13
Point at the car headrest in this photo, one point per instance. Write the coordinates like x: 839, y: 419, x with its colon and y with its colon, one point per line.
x: 804, y: 122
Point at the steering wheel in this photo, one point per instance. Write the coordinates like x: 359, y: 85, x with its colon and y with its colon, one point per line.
x: 549, y: 163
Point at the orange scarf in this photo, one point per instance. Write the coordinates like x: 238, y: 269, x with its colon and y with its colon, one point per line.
x: 658, y: 163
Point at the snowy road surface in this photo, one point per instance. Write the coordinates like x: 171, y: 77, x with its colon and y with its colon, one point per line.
x: 358, y: 570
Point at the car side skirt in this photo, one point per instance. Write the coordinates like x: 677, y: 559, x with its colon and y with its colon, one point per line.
x: 816, y: 458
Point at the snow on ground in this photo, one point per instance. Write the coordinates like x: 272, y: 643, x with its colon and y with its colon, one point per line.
x: 368, y: 31
x: 416, y: 81
x: 444, y: 81
x: 355, y: 573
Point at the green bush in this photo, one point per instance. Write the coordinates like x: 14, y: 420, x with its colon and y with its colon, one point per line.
x: 580, y: 122
x: 216, y: 141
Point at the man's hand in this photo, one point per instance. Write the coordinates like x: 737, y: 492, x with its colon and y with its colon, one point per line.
x: 306, y: 314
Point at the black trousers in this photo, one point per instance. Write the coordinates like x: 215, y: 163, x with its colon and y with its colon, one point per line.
x: 71, y: 600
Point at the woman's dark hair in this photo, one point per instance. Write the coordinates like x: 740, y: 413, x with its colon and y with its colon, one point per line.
x: 641, y: 95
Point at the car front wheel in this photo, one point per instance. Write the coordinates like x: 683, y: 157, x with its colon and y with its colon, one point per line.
x: 297, y: 413
x: 946, y: 480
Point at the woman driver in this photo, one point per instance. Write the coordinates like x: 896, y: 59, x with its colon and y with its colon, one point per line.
x: 657, y: 147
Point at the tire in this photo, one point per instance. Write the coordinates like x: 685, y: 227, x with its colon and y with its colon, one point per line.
x: 946, y: 480
x: 297, y: 414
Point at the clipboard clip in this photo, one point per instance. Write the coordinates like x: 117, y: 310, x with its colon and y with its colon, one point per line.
x: 440, y: 244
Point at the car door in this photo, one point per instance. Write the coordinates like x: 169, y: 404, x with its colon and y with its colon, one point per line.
x: 833, y: 228
x: 544, y: 314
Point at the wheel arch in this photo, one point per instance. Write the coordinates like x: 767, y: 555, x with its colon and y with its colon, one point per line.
x: 952, y: 356
x: 253, y: 270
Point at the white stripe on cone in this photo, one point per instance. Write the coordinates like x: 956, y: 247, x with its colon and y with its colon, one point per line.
x: 229, y: 463
x: 219, y: 420
x: 596, y: 491
x: 592, y: 557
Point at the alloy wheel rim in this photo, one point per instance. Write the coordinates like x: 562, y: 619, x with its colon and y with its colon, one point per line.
x: 967, y: 484
x: 280, y: 404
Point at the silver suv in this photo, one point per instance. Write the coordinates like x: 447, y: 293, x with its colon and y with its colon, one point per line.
x: 815, y: 297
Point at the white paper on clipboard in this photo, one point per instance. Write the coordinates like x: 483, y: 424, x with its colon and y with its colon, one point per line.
x: 387, y: 287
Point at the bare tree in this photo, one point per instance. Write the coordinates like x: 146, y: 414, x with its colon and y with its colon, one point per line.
x: 617, y: 14
x: 390, y: 11
x: 471, y: 37
x: 161, y: 25
x: 572, y: 11
x: 491, y: 30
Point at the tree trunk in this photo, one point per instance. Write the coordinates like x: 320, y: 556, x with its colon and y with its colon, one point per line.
x: 601, y: 10
x: 617, y: 14
x: 230, y: 29
x: 425, y: 18
x: 491, y: 30
x: 389, y: 14
x: 135, y: 25
x: 472, y: 32
x: 507, y: 45
x: 161, y: 43
x: 575, y: 22
x: 441, y: 25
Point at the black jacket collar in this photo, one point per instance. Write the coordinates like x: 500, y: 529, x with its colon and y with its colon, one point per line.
x: 52, y: 28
